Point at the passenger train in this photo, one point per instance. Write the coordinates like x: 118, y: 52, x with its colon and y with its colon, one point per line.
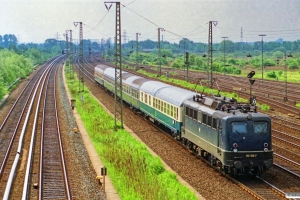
x: 231, y: 135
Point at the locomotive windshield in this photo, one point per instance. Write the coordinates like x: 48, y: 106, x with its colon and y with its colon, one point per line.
x: 242, y: 127
x: 239, y: 127
x: 260, y: 127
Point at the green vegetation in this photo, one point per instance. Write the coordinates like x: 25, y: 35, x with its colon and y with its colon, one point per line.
x: 135, y: 173
x: 12, y: 67
x: 298, y: 105
x: 265, y: 107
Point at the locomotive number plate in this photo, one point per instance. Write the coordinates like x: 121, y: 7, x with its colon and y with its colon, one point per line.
x: 251, y: 155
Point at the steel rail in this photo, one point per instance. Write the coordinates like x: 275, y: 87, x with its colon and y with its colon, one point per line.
x: 31, y: 148
x: 19, y: 150
x: 49, y: 148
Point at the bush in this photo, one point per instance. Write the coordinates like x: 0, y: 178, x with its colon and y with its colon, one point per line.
x: 271, y: 74
x: 265, y: 107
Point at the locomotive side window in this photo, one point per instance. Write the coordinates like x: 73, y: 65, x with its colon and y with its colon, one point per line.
x: 204, y: 118
x: 200, y: 116
x: 239, y: 127
x: 195, y: 115
x: 214, y: 123
x: 209, y: 120
x: 187, y: 111
x: 260, y: 127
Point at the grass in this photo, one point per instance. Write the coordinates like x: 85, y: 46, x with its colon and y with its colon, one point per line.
x: 135, y: 173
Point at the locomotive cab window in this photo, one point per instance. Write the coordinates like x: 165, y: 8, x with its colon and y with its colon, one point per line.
x: 239, y: 127
x: 260, y: 127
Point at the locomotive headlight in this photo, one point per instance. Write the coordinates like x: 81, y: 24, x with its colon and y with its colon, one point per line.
x: 265, y: 149
x: 249, y: 116
x: 235, y: 150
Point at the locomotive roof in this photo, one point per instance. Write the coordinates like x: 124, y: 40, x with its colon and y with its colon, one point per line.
x: 195, y: 105
x: 232, y: 109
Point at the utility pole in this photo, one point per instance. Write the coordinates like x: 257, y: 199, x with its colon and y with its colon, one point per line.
x: 66, y: 34
x: 241, y: 39
x: 224, y: 53
x: 285, y: 77
x: 187, y: 66
x: 124, y: 37
x: 71, y: 53
x: 210, y: 54
x: 262, y: 57
x: 81, y: 79
x: 57, y: 36
x: 118, y: 68
x: 137, y: 49
x: 159, y: 56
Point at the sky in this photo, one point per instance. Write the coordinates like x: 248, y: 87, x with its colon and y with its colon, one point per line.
x: 38, y: 20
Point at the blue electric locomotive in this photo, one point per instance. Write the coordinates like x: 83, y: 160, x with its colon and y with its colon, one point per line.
x: 230, y: 135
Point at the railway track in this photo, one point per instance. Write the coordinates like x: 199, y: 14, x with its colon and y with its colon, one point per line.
x: 54, y: 183
x: 53, y: 176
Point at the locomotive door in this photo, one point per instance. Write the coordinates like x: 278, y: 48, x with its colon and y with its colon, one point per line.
x: 220, y: 142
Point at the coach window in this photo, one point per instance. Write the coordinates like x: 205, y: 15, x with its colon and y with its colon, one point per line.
x: 158, y: 104
x: 165, y: 107
x: 150, y: 100
x: 176, y: 113
x: 142, y: 96
x: 168, y: 109
x: 146, y: 98
x: 172, y: 109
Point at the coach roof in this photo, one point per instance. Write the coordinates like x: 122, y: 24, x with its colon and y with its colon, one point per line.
x: 165, y: 92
